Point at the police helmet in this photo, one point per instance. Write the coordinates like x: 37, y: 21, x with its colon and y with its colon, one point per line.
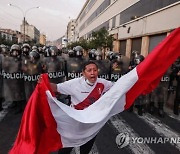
x: 4, y: 49
x: 117, y: 56
x: 26, y: 49
x: 47, y: 52
x: 92, y: 54
x: 44, y: 48
x: 15, y: 50
x: 98, y: 54
x: 34, y: 55
x: 138, y: 59
x: 110, y: 55
x: 34, y: 47
x: 71, y: 53
x: 40, y: 50
x: 53, y: 51
x: 78, y: 51
x: 135, y: 53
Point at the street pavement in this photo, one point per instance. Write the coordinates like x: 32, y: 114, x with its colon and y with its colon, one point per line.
x: 125, y: 133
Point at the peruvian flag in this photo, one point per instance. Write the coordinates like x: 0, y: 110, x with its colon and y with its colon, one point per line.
x: 48, y: 125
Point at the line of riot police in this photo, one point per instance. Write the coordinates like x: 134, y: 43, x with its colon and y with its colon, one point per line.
x: 20, y: 68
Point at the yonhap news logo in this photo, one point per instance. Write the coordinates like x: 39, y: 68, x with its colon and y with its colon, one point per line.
x: 123, y: 139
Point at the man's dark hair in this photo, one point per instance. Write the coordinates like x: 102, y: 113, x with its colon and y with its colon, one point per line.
x: 87, y: 63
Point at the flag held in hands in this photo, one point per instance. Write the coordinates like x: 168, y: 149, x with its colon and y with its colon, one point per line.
x: 48, y: 125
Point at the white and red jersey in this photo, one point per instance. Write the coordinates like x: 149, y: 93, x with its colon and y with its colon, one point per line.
x: 80, y: 90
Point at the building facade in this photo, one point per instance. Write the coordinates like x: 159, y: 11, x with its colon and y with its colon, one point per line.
x: 42, y: 39
x: 135, y: 24
x: 71, y: 31
x: 31, y: 31
x: 8, y: 35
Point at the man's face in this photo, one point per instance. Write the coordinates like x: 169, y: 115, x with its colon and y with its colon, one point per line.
x: 91, y: 73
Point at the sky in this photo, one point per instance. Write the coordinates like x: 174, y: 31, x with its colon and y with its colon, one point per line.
x: 51, y: 18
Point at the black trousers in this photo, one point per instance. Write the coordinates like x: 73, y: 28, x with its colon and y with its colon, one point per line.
x: 84, y: 149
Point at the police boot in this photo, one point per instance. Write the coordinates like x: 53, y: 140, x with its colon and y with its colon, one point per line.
x: 176, y: 107
x: 1, y: 108
x: 19, y: 108
x: 160, y: 109
x: 151, y: 108
x: 140, y: 110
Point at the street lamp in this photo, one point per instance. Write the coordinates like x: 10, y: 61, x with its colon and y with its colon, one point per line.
x: 24, y: 16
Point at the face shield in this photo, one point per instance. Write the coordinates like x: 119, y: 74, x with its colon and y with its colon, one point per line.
x: 98, y: 57
x: 53, y: 53
x: 14, y: 53
x: 137, y: 61
x: 78, y: 53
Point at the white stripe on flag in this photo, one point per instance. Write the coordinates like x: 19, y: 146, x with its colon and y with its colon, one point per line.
x: 76, y: 127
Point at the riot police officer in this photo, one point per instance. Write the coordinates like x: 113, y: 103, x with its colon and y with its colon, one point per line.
x: 141, y: 100
x: 175, y: 75
x: 109, y: 55
x: 26, y: 49
x: 132, y: 61
x: 103, y: 65
x: 4, y: 50
x: 32, y: 68
x: 118, y: 65
x: 13, y: 78
x: 55, y: 66
x: 1, y: 80
x: 91, y: 54
x: 75, y: 62
x: 159, y: 95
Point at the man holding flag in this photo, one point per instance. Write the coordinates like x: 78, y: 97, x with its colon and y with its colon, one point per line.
x: 84, y: 91
x: 48, y: 125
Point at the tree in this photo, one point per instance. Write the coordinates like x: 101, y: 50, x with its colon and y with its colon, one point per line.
x: 100, y: 39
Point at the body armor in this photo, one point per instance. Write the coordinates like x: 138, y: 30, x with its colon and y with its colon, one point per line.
x: 13, y: 79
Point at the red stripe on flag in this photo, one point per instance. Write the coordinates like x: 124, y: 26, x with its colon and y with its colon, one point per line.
x: 37, y: 133
x: 154, y: 66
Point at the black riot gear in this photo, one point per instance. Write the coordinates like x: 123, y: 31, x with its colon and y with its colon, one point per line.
x: 78, y: 51
x: 53, y: 51
x: 109, y: 55
x: 34, y: 55
x: 142, y: 99
x: 13, y: 85
x: 71, y: 53
x: 44, y: 48
x: 4, y: 50
x: 40, y: 50
x: 92, y: 54
x: 119, y: 65
x: 47, y: 52
x: 26, y: 49
x: 34, y: 47
x: 15, y: 50
x: 1, y: 81
x: 98, y: 55
x: 103, y: 65
x: 138, y: 59
x: 116, y: 56
x: 32, y: 69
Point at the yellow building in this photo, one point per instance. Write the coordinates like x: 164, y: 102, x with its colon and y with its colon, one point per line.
x: 42, y: 39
